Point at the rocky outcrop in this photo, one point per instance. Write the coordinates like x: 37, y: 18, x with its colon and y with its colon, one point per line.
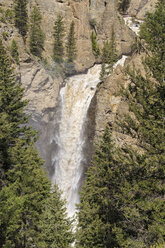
x: 110, y: 104
x: 100, y: 16
x: 138, y: 8
x: 40, y: 88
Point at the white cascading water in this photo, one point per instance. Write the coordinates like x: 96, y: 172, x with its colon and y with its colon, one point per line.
x: 133, y: 24
x: 75, y: 99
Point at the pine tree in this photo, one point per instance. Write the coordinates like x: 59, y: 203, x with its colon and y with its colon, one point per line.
x: 36, y: 34
x: 55, y: 227
x: 145, y: 178
x: 24, y: 188
x: 23, y: 197
x: 105, y: 52
x: 14, y: 51
x: 132, y: 189
x: 145, y: 212
x: 71, y: 44
x: 143, y: 189
x: 97, y: 210
x: 24, y: 184
x: 12, y: 115
x: 103, y: 71
x: 153, y: 28
x: 109, y: 57
x: 95, y: 47
x: 58, y: 51
x: 112, y: 53
x: 21, y: 16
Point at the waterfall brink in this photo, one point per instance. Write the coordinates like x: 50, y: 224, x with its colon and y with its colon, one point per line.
x: 75, y: 99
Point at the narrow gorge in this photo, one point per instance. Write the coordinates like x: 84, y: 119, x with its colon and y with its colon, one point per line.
x: 59, y: 107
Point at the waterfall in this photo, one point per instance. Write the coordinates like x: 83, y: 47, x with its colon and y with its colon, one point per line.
x: 133, y: 24
x: 75, y: 99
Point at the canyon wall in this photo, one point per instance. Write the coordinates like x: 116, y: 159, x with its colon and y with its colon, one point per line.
x: 42, y: 79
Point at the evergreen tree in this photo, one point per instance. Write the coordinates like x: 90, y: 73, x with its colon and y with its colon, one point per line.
x: 55, y: 226
x: 97, y: 202
x: 145, y: 210
x: 23, y: 197
x: 12, y: 115
x: 71, y: 44
x: 36, y: 34
x: 58, y: 51
x: 109, y: 57
x: 24, y: 185
x: 112, y: 53
x: 132, y: 189
x: 95, y: 47
x: 14, y: 51
x: 143, y: 190
x: 21, y: 16
x: 103, y: 73
x: 152, y: 31
x: 24, y: 188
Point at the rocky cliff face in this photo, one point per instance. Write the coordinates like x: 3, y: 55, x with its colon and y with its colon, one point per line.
x: 110, y: 105
x: 42, y: 82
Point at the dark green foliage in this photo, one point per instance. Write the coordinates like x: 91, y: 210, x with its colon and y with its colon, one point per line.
x: 146, y: 174
x: 122, y: 203
x: 103, y: 73
x: 23, y: 184
x: 95, y: 47
x: 36, y: 34
x: 123, y: 5
x: 55, y: 226
x: 153, y: 32
x: 21, y: 16
x: 6, y: 15
x: 137, y: 45
x: 145, y: 177
x: 146, y: 101
x: 14, y: 51
x: 71, y: 44
x: 109, y: 57
x: 25, y: 198
x: 12, y: 115
x: 158, y: 245
x: 58, y: 51
x: 98, y: 211
x: 9, y: 15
